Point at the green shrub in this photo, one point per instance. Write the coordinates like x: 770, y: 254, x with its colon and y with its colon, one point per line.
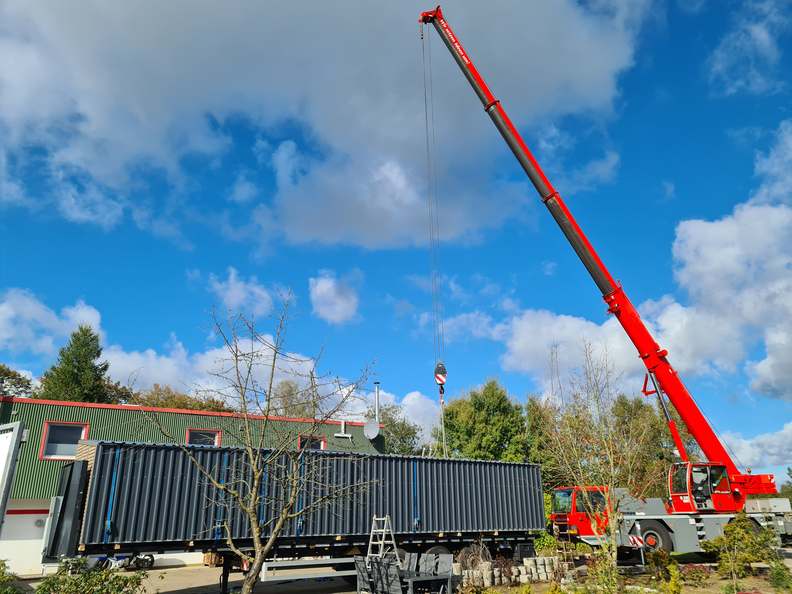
x: 6, y: 579
x: 732, y: 588
x: 779, y: 576
x: 657, y: 563
x: 74, y: 578
x: 583, y: 548
x: 545, y: 543
x: 741, y: 544
x: 674, y: 583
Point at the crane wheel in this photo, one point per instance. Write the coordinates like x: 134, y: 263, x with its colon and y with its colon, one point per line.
x: 656, y: 536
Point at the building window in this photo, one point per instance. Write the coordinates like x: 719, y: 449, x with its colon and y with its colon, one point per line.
x: 59, y: 439
x: 311, y: 442
x: 204, y: 437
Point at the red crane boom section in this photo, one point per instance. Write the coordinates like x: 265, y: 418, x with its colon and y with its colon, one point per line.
x: 653, y: 356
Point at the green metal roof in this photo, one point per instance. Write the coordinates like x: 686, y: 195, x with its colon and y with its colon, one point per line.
x: 37, y: 479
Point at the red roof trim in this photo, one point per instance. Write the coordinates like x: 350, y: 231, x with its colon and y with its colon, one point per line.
x: 181, y: 411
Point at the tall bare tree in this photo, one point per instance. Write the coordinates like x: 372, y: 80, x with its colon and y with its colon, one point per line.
x: 298, y: 482
x: 592, y: 446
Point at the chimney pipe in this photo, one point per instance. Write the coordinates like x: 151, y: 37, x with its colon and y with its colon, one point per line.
x: 377, y: 402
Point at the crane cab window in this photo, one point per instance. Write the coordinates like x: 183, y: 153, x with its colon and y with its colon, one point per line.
x: 699, y: 480
x: 719, y: 479
x: 679, y: 484
x: 562, y: 501
x: 590, y: 502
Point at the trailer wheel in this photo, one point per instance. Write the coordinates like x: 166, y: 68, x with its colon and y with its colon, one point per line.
x: 438, y: 550
x: 656, y: 536
x: 143, y: 562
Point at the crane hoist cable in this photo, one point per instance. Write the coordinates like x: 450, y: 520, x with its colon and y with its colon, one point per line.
x: 432, y: 207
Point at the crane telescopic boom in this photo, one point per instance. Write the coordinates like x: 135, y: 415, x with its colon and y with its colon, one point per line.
x: 663, y: 375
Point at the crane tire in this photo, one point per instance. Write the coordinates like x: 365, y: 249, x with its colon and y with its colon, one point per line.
x: 656, y: 536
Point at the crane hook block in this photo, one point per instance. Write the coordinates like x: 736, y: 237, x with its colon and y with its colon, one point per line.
x: 440, y: 373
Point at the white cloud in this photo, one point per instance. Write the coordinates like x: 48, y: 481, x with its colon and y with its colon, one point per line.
x: 549, y: 267
x: 737, y: 273
x: 764, y: 450
x: 104, y: 95
x: 238, y: 295
x: 198, y: 371
x: 775, y: 168
x: 142, y: 369
x: 243, y: 190
x: 333, y: 300
x: 692, y: 6
x: 89, y: 205
x: 474, y: 324
x: 530, y: 336
x: 11, y: 192
x: 669, y: 189
x: 423, y: 411
x: 592, y: 174
x: 28, y: 325
x: 746, y: 59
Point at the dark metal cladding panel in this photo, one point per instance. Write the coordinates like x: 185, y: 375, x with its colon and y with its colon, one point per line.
x: 150, y: 493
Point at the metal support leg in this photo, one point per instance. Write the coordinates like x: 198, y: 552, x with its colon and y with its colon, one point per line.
x: 224, y: 575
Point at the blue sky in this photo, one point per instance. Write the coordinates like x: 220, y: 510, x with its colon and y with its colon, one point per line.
x: 159, y: 162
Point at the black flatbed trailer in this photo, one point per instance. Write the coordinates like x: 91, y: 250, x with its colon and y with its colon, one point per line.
x: 120, y: 497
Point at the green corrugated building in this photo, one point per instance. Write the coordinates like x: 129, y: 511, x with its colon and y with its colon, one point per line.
x: 53, y: 429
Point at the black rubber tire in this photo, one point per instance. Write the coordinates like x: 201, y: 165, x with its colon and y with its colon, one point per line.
x: 144, y: 561
x: 437, y: 550
x: 656, y: 536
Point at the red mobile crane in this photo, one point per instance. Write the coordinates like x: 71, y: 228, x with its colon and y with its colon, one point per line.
x: 713, y: 487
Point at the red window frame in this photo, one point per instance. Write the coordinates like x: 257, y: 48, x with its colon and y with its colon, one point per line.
x: 45, y: 435
x: 322, y: 439
x: 218, y: 434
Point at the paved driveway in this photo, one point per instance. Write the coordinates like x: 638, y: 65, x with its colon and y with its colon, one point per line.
x: 206, y: 580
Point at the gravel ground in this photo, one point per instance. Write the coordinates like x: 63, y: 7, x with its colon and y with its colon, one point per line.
x: 206, y: 580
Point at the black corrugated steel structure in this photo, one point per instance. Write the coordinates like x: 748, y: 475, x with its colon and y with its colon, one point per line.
x: 153, y: 497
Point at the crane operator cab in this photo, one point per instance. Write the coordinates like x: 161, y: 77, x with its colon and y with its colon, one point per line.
x: 699, y: 487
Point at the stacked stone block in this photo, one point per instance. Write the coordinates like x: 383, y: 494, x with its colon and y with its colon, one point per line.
x: 533, y: 569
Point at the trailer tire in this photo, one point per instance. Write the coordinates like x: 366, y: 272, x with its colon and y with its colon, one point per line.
x: 656, y: 536
x: 143, y: 562
x: 438, y: 550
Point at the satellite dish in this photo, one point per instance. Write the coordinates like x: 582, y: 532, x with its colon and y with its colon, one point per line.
x: 371, y: 429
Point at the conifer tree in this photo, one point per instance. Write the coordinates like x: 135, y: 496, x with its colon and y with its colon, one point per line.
x: 78, y: 374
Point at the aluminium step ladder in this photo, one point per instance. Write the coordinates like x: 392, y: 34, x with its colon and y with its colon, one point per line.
x: 381, y: 541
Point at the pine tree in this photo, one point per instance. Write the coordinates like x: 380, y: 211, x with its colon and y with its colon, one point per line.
x: 78, y: 374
